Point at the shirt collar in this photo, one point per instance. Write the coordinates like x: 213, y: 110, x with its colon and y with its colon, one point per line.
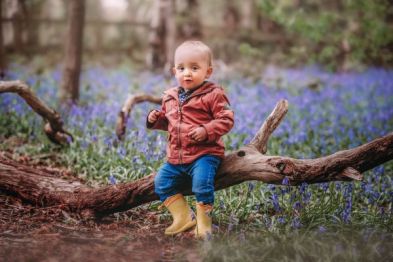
x: 189, y: 92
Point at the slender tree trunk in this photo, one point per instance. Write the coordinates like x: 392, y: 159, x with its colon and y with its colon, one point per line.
x: 162, y: 38
x: 17, y: 16
x: 156, y: 56
x: 33, y: 12
x: 2, y: 52
x: 69, y: 90
x: 231, y: 17
x: 170, y: 38
x: 248, y: 15
x: 189, y: 26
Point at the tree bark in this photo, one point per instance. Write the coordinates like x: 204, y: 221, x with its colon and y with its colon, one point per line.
x: 189, y: 25
x: 17, y: 24
x: 162, y: 35
x: 2, y: 52
x: 33, y: 10
x: 125, y: 112
x: 248, y: 9
x: 69, y: 90
x: 171, y: 34
x: 53, y: 127
x: 247, y: 163
x: 231, y: 17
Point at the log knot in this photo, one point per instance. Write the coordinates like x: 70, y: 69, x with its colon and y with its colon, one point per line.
x: 286, y: 168
x: 241, y: 153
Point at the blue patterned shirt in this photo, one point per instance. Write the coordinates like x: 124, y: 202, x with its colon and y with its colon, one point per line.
x: 183, y: 94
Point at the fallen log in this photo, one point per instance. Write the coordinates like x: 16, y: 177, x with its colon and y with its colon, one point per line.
x: 247, y: 163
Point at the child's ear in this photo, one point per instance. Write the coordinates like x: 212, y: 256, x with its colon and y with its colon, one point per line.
x: 209, y: 72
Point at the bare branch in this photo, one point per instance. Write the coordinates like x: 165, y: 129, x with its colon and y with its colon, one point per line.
x: 352, y: 174
x: 261, y: 138
x: 126, y: 111
x: 54, y: 124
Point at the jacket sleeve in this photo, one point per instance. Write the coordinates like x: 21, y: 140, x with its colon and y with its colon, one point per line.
x: 161, y: 122
x: 223, y: 116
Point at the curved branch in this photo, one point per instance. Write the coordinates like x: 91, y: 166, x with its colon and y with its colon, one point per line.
x: 271, y: 123
x: 53, y: 127
x: 126, y: 111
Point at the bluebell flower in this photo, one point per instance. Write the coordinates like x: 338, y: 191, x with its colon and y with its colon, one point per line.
x: 297, y: 205
x: 306, y: 197
x: 251, y: 186
x: 222, y: 205
x: 112, y: 179
x: 285, y: 181
x: 324, y: 186
x: 303, y: 187
x: 122, y: 152
x: 281, y: 219
x: 321, y: 229
x: 296, y: 223
x: 275, y: 202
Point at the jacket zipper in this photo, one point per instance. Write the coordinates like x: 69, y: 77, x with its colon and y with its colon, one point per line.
x: 178, y: 137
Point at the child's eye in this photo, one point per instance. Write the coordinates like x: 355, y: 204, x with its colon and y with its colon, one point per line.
x: 195, y: 68
x: 180, y: 69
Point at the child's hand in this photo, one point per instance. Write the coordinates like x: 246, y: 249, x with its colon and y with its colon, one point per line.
x: 198, y: 134
x: 153, y: 116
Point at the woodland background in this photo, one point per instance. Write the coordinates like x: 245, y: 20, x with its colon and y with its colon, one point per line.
x: 331, y: 60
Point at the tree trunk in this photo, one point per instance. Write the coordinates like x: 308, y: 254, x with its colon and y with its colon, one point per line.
x: 33, y: 11
x: 162, y: 35
x: 2, y: 52
x: 17, y: 25
x: 231, y: 17
x: 170, y: 37
x: 69, y: 90
x: 248, y: 163
x: 248, y: 15
x: 189, y: 25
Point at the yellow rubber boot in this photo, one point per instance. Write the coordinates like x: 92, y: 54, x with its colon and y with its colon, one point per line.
x: 203, y: 229
x: 183, y: 216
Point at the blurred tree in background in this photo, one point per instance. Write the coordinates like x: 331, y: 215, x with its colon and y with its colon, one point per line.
x: 69, y: 88
x: 339, y: 34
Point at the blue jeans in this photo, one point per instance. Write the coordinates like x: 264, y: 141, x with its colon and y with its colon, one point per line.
x: 200, y: 173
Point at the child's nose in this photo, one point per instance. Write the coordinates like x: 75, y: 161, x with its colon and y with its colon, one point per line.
x: 187, y: 72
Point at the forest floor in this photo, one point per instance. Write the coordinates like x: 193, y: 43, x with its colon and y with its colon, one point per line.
x: 32, y: 233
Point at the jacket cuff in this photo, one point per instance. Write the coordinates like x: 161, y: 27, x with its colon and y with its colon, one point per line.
x: 148, y: 124
x: 210, y: 132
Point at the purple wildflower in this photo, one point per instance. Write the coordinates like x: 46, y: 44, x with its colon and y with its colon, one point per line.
x: 112, y: 179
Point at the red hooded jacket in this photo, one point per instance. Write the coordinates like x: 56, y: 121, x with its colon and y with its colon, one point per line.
x: 207, y: 107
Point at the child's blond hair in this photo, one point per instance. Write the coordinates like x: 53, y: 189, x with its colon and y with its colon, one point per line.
x: 198, y: 45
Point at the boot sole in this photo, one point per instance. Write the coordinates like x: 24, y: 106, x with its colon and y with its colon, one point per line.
x: 182, y: 229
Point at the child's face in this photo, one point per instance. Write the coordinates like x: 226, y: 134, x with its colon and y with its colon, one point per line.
x: 191, y: 67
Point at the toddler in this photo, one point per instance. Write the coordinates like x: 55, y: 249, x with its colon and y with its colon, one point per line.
x: 196, y: 114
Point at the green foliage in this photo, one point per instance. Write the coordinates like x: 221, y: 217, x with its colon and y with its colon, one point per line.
x: 337, y: 35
